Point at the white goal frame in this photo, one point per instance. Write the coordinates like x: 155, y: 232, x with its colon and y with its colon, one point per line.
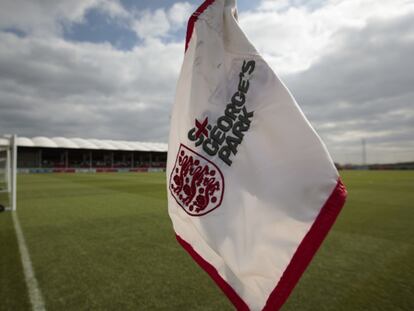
x: 9, y: 162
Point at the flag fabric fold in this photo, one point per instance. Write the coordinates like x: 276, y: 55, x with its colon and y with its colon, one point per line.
x: 252, y: 190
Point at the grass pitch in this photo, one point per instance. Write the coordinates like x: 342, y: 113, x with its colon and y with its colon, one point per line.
x: 105, y: 242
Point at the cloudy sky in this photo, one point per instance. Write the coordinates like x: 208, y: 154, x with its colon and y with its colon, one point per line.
x: 108, y: 69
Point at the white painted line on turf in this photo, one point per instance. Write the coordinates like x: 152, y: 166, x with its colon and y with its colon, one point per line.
x: 35, y: 295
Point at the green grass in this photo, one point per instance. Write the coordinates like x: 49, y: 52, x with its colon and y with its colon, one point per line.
x: 13, y: 292
x: 105, y: 242
x: 367, y: 260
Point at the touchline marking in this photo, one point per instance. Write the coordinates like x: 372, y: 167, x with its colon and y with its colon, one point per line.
x: 35, y: 294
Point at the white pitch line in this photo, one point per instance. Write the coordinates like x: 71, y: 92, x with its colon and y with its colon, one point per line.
x: 35, y: 294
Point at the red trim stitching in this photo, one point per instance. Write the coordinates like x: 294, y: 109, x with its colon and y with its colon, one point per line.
x: 225, y: 287
x: 297, y: 265
x: 193, y: 19
x: 307, y: 248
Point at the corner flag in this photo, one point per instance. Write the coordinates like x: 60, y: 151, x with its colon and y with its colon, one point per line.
x: 252, y: 190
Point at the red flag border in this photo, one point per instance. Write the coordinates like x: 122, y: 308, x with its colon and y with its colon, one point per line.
x: 299, y: 262
x: 193, y: 19
x: 306, y: 249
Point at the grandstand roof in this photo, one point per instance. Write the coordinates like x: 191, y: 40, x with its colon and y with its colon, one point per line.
x: 81, y: 143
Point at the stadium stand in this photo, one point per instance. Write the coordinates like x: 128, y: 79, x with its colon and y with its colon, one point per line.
x: 60, y: 154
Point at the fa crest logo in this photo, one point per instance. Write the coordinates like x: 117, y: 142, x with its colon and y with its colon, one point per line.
x: 196, y: 183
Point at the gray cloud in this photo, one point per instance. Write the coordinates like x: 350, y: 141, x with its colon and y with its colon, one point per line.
x: 52, y: 87
x: 363, y: 88
x: 47, y: 18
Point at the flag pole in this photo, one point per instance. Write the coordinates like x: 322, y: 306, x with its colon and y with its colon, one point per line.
x: 14, y: 171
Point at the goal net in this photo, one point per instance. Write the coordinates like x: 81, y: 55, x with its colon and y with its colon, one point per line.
x: 7, y: 173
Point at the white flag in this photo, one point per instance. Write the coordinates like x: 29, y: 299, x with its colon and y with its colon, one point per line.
x: 252, y: 190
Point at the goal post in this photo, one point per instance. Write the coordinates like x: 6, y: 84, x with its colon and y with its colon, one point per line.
x: 8, y: 172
